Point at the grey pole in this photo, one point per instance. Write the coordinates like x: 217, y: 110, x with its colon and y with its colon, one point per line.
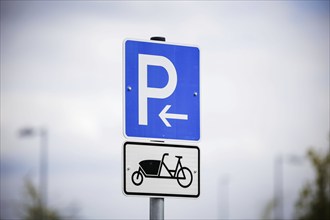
x: 156, y: 208
x: 43, y: 165
x: 226, y: 196
x: 278, y: 187
x: 43, y: 170
x: 157, y: 204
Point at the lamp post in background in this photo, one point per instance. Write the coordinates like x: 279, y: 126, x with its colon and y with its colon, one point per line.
x: 43, y: 163
x: 224, y: 196
x: 279, y: 182
x: 278, y: 187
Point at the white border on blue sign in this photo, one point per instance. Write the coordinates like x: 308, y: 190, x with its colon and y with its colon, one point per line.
x: 155, y: 140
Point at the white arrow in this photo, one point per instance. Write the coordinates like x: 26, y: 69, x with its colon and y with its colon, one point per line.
x: 164, y: 116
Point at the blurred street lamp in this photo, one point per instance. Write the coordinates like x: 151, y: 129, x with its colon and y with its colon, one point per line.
x: 43, y: 162
x: 224, y: 196
x: 278, y: 187
x: 279, y: 181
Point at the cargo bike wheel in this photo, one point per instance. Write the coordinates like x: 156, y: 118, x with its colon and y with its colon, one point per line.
x: 137, y: 178
x: 184, y: 177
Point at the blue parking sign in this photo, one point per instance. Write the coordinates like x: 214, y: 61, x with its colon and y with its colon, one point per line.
x: 161, y: 91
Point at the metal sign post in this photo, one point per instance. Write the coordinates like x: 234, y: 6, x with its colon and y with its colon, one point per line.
x: 157, y: 204
x: 156, y: 208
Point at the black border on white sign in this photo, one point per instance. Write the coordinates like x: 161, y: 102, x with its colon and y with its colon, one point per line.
x: 159, y: 194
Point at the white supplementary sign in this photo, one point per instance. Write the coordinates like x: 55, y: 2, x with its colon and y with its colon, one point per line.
x: 161, y: 170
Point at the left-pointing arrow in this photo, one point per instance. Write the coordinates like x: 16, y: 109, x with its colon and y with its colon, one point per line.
x: 164, y: 116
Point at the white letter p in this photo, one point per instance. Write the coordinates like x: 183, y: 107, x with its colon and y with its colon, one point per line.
x: 146, y: 92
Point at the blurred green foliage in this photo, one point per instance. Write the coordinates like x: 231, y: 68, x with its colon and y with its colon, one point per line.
x: 34, y: 208
x: 314, y: 199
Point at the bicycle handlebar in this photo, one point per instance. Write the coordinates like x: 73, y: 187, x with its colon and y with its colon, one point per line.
x: 165, y: 154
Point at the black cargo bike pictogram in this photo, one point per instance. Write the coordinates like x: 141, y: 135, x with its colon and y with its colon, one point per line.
x: 152, y: 169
